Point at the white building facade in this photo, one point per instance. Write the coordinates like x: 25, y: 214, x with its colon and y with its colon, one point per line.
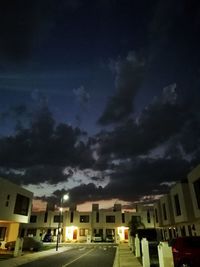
x: 15, y: 208
x: 178, y: 212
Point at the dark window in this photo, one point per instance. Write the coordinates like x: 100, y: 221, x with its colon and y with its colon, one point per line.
x: 97, y: 217
x: 71, y: 217
x: 110, y: 232
x: 7, y: 203
x: 58, y: 218
x: 31, y: 232
x: 45, y: 217
x: 110, y: 219
x: 101, y: 232
x: 84, y: 218
x: 148, y: 216
x: 21, y: 205
x: 190, y: 230
x: 8, y: 197
x: 33, y: 219
x: 136, y: 219
x: 2, y: 233
x: 177, y: 205
x: 123, y: 218
x: 156, y: 215
x: 196, y: 185
x: 164, y: 212
x: 183, y: 232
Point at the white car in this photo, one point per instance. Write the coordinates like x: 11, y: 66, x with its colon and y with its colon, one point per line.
x: 97, y: 238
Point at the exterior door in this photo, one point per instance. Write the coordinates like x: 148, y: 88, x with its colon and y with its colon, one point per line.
x: 126, y: 234
x: 75, y: 234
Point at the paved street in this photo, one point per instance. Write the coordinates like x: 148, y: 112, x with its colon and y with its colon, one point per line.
x: 81, y: 255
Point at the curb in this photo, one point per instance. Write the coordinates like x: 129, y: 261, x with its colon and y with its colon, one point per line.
x: 116, y: 260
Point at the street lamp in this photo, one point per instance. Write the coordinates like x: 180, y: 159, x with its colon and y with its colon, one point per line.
x: 63, y: 198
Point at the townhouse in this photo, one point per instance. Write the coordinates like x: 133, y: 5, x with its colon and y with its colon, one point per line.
x: 178, y: 212
x: 15, y: 208
x: 78, y: 226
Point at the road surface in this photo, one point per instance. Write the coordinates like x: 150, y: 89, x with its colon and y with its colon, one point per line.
x: 96, y: 255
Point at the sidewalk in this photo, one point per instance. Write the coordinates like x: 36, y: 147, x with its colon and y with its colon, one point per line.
x: 125, y: 257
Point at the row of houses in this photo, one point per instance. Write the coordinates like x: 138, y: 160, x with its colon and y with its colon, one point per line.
x: 79, y: 226
x: 175, y: 214
x: 17, y: 219
x: 178, y: 212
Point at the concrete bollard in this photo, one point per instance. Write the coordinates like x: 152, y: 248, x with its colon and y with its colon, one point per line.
x: 145, y: 253
x: 18, y: 247
x: 137, y: 247
x: 117, y: 238
x: 165, y: 255
x: 89, y: 238
x: 132, y: 244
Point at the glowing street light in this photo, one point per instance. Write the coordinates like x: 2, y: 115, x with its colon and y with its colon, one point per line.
x: 63, y: 198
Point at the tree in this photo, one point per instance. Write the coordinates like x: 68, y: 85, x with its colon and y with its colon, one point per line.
x: 134, y: 225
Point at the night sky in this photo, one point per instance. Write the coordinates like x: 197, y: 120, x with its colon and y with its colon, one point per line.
x: 99, y: 98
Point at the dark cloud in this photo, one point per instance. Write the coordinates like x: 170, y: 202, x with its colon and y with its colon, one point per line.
x: 134, y: 180
x: 129, y: 75
x: 144, y: 176
x: 45, y: 147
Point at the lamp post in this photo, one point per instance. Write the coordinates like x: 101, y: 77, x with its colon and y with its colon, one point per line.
x: 63, y: 198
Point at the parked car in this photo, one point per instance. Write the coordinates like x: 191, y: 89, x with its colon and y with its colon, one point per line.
x: 186, y: 251
x: 97, y: 238
x: 48, y: 238
x: 29, y: 243
x: 110, y: 238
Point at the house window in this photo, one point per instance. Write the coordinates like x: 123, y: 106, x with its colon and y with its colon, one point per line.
x: 33, y: 219
x: 21, y: 205
x: 97, y: 217
x: 110, y: 232
x: 57, y: 218
x: 7, y: 203
x: 2, y: 233
x: 156, y: 215
x: 84, y: 218
x: 45, y: 217
x: 196, y: 185
x: 83, y: 232
x: 71, y: 217
x: 123, y: 218
x: 110, y: 219
x: 148, y: 216
x: 177, y: 205
x: 190, y: 230
x: 31, y: 232
x: 135, y: 219
x: 164, y: 211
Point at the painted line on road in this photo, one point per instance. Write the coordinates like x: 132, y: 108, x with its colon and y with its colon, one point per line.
x: 67, y: 264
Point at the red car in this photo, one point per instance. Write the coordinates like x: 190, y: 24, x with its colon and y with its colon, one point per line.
x: 186, y: 251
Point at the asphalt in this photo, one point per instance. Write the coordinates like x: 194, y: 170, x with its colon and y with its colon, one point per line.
x: 124, y: 257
